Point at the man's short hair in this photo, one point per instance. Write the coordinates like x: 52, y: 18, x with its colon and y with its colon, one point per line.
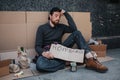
x: 54, y: 9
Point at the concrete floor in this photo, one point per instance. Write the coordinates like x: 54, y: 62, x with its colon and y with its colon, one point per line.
x: 84, y: 74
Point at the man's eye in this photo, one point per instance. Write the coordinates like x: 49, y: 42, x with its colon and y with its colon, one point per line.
x: 56, y: 15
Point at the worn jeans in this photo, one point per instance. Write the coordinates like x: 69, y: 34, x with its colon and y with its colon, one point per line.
x: 44, y: 64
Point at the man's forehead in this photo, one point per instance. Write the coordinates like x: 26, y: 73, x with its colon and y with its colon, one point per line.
x: 56, y: 12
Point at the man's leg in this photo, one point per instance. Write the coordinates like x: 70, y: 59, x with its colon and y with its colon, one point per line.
x: 90, y: 58
x: 51, y: 65
x: 76, y: 37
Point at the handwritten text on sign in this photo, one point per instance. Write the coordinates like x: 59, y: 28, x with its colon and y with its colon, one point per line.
x: 67, y: 54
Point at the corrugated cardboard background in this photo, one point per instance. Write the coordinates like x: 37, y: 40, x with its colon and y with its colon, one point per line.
x: 18, y: 28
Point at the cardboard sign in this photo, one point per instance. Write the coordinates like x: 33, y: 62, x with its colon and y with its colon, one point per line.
x: 67, y: 54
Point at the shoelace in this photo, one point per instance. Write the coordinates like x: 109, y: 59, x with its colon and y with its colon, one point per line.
x: 96, y: 61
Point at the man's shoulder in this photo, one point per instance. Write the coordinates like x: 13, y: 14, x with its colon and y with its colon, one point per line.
x: 43, y: 26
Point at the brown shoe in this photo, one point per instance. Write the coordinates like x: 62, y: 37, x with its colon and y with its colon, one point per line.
x: 95, y: 65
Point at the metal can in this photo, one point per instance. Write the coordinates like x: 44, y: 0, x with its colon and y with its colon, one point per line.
x: 73, y: 66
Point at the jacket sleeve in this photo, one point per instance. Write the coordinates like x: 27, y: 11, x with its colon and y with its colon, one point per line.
x: 39, y: 41
x: 72, y: 26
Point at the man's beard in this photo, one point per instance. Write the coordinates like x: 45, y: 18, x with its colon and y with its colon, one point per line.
x: 54, y: 22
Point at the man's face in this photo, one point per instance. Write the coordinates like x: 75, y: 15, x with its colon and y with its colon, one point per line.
x: 55, y: 17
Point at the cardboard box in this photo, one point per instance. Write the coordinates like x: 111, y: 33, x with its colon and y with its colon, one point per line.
x: 12, y: 17
x: 4, y: 67
x: 99, y: 49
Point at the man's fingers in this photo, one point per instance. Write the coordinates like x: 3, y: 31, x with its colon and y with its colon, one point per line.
x: 48, y: 55
x: 63, y: 11
x: 51, y: 56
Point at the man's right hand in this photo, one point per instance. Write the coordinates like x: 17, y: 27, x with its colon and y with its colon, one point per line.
x: 62, y: 11
x: 47, y: 55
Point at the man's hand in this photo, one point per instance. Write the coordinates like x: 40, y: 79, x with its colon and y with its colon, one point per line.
x: 62, y: 11
x: 47, y: 55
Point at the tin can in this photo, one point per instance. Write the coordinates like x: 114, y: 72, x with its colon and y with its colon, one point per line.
x: 73, y: 66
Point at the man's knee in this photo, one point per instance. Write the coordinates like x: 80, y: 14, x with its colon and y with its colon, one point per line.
x: 40, y: 65
x: 75, y: 33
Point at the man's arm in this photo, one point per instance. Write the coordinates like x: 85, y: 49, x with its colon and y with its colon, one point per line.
x: 39, y: 41
x: 70, y: 20
x: 38, y: 45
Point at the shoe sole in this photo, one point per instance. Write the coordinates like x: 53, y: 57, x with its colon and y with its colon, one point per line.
x: 96, y: 70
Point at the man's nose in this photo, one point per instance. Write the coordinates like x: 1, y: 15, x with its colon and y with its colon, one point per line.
x: 58, y: 18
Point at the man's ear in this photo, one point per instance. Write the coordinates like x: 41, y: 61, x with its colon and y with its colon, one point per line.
x: 49, y: 17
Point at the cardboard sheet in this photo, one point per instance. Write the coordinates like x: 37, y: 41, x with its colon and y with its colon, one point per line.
x: 67, y: 54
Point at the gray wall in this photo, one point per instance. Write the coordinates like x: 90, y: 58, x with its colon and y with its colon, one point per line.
x: 105, y: 14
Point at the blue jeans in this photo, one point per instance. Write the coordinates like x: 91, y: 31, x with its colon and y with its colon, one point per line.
x: 44, y: 64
